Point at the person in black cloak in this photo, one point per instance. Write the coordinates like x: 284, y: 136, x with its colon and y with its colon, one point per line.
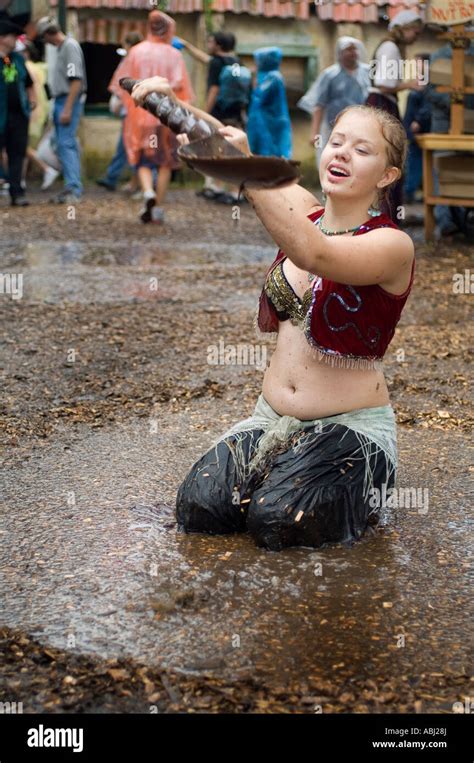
x: 16, y: 103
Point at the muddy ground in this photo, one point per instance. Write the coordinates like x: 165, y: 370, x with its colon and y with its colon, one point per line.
x: 108, y: 398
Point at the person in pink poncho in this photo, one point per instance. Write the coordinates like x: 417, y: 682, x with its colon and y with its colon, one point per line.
x: 148, y: 143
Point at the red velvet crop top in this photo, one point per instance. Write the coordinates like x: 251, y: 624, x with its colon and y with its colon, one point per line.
x: 344, y: 325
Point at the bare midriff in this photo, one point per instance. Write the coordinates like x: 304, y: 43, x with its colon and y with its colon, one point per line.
x: 296, y: 384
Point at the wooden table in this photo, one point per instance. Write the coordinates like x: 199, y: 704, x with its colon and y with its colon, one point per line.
x: 430, y: 142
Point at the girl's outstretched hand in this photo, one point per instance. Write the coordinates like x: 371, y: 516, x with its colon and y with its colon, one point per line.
x: 236, y: 137
x: 151, y: 85
x: 182, y: 139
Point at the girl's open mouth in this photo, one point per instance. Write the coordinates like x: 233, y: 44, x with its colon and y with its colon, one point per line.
x: 337, y: 172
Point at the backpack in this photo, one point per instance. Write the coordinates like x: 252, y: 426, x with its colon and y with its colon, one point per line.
x: 235, y: 85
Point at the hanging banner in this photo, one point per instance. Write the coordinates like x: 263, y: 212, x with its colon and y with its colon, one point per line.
x: 449, y: 12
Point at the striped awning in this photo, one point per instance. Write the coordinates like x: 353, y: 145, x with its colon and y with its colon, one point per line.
x: 282, y: 8
x: 109, y: 28
x: 364, y: 11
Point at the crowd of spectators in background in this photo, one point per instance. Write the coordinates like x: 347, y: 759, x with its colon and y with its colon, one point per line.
x: 44, y: 132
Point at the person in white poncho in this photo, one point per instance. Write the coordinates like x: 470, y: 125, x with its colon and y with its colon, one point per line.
x: 345, y: 83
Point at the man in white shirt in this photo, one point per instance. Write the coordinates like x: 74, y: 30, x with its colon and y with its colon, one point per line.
x: 68, y: 86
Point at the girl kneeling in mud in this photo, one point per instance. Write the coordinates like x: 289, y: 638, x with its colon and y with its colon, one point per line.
x: 307, y: 468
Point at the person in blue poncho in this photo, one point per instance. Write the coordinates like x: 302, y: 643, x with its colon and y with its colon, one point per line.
x: 268, y: 125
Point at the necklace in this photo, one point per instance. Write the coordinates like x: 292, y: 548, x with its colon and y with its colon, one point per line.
x: 336, y: 232
x: 327, y: 232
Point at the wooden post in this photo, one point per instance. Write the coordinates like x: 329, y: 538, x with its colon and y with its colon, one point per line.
x: 457, y: 102
x: 429, y: 142
x: 459, y: 39
x: 428, y: 189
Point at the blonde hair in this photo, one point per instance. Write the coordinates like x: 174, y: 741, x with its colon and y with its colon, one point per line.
x: 394, y: 135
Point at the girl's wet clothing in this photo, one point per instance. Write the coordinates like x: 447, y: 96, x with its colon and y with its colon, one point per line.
x: 292, y: 482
